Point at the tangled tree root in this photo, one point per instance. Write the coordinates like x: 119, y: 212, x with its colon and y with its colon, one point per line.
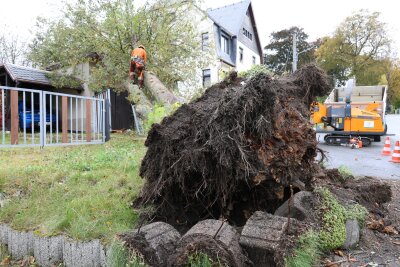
x: 235, y: 150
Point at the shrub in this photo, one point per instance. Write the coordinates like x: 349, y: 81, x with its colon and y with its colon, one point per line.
x: 255, y: 70
x: 158, y: 113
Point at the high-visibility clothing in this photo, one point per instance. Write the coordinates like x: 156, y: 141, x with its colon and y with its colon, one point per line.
x: 139, y: 52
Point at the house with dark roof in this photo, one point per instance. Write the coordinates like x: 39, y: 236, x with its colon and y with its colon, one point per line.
x: 230, y: 33
x: 12, y: 75
x: 24, y: 77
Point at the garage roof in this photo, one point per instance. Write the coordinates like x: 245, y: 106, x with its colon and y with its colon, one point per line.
x: 28, y: 75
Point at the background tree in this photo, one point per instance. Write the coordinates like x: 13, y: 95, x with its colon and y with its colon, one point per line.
x: 110, y: 29
x: 393, y: 81
x: 279, y: 52
x: 359, y: 47
x: 13, y: 50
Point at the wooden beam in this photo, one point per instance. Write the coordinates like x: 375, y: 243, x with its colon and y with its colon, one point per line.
x: 88, y: 120
x: 64, y: 118
x: 14, y: 116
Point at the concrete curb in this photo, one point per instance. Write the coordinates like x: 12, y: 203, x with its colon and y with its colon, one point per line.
x: 51, y: 250
x: 20, y: 244
x: 48, y: 250
x: 82, y: 254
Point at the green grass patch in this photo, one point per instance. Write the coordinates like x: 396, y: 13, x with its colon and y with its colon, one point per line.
x: 200, y: 259
x: 358, y: 213
x: 82, y: 191
x: 118, y: 255
x: 307, y: 252
x: 345, y: 172
x: 332, y: 232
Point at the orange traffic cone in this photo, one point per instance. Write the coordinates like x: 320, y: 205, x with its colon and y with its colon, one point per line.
x: 396, y: 153
x: 386, y: 148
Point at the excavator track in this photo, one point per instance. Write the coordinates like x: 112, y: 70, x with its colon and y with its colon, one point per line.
x: 345, y: 139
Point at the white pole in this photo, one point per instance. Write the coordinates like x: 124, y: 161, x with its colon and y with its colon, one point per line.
x: 294, y: 64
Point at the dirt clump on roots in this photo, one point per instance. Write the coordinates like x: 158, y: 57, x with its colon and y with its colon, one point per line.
x: 233, y: 151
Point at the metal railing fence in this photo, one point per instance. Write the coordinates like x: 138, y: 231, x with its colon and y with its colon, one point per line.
x: 41, y: 118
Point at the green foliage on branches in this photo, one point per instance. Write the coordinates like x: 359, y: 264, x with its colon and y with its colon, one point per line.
x: 62, y: 81
x: 255, y: 70
x: 158, y: 113
x: 359, y: 47
x: 280, y: 50
x: 393, y: 81
x: 104, y: 32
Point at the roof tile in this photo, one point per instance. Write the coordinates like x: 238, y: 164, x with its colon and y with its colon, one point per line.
x: 230, y: 17
x: 25, y: 74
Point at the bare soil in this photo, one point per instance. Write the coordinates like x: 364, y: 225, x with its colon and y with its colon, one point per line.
x: 379, y: 242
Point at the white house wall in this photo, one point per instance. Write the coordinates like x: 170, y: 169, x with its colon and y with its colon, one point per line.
x: 207, y: 25
x: 248, y: 55
x: 204, y: 25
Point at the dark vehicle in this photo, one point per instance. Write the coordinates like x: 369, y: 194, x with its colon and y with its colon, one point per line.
x: 36, y: 117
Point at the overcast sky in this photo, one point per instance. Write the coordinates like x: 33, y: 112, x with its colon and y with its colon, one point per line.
x: 318, y: 18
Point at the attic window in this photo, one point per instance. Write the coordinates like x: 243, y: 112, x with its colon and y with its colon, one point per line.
x: 247, y: 34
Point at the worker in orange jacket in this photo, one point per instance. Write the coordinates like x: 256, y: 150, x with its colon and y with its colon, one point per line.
x: 137, y: 65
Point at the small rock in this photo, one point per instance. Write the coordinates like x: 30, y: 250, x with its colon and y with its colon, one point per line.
x: 352, y: 234
x: 300, y: 206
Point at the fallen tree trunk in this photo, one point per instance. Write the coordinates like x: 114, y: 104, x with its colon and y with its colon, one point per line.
x: 266, y: 238
x: 158, y: 90
x: 235, y: 150
x: 217, y: 239
x: 154, y: 242
x: 137, y: 97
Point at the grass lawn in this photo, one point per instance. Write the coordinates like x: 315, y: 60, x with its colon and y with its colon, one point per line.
x: 82, y: 191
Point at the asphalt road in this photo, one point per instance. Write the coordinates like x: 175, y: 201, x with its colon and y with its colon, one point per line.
x: 366, y: 160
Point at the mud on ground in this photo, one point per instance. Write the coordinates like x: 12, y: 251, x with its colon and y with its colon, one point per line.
x: 380, y: 240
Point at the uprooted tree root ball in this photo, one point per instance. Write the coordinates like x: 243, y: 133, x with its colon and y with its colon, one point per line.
x: 235, y: 150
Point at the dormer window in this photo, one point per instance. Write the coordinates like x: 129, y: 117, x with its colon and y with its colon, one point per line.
x: 247, y: 34
x: 225, y: 44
